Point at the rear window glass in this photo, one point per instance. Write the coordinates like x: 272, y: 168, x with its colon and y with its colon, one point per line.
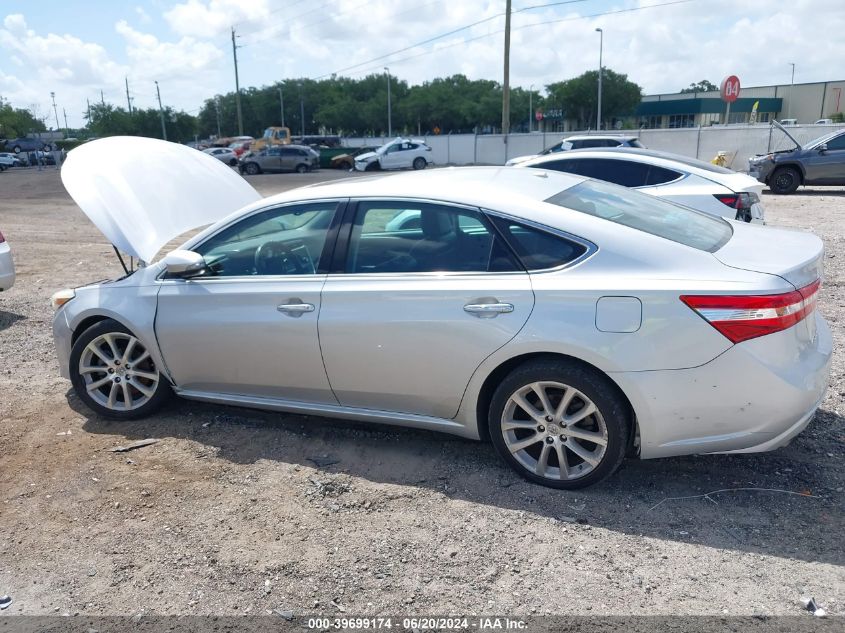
x: 646, y: 213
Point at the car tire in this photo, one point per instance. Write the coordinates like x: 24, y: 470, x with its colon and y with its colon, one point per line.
x: 252, y: 169
x: 130, y: 384
x: 532, y: 443
x: 420, y: 163
x: 16, y: 149
x: 233, y: 162
x: 785, y: 180
x: 301, y: 169
x: 373, y: 166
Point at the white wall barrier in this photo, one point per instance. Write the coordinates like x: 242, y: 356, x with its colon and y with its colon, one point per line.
x: 738, y: 141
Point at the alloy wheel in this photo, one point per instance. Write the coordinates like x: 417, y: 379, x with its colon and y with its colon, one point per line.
x: 118, y: 372
x: 554, y: 431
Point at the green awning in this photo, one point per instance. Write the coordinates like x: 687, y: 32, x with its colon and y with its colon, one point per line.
x: 706, y: 106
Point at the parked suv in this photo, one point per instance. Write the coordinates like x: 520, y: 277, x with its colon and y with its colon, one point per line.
x: 587, y: 141
x: 18, y: 145
x: 298, y: 158
x: 819, y: 162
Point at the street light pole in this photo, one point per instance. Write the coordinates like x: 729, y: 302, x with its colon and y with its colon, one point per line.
x: 791, y: 89
x: 531, y: 108
x: 389, y: 114
x: 282, y: 105
x: 601, y: 46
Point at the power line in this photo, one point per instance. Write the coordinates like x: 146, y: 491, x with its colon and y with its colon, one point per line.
x: 518, y: 28
x: 452, y: 32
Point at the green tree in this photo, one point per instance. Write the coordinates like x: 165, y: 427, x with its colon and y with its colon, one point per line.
x: 578, y: 96
x: 109, y: 120
x: 701, y: 86
x: 15, y: 122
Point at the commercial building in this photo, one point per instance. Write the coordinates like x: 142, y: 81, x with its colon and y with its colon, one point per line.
x: 805, y: 102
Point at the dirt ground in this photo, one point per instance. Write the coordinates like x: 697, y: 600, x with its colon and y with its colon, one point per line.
x: 242, y: 512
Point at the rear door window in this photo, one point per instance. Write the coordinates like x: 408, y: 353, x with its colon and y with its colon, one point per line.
x: 646, y: 213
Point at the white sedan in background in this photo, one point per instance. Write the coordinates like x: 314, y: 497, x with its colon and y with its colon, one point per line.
x: 7, y: 265
x: 224, y: 154
x: 401, y: 153
x: 684, y: 180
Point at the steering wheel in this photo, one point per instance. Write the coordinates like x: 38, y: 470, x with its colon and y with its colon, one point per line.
x: 274, y: 258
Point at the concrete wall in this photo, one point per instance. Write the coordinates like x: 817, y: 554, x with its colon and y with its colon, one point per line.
x: 739, y: 141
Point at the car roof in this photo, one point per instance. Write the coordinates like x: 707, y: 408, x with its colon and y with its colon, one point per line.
x: 642, y: 155
x: 613, y: 137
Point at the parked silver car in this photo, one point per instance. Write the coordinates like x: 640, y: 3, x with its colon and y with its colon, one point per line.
x: 298, y: 158
x: 569, y: 320
x: 223, y: 154
x: 7, y: 265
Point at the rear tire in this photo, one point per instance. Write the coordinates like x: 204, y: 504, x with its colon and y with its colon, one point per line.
x: 114, y: 374
x: 576, y: 432
x: 785, y: 180
x: 420, y: 163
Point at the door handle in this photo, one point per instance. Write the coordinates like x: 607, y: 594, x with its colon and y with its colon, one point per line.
x: 488, y: 310
x: 296, y: 308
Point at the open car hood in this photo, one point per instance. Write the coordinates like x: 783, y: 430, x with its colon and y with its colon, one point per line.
x: 784, y: 130
x: 142, y: 192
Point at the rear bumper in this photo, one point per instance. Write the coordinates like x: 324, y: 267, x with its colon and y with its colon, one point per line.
x: 754, y: 397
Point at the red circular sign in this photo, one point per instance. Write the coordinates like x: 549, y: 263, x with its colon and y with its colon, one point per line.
x: 538, y: 115
x: 730, y: 88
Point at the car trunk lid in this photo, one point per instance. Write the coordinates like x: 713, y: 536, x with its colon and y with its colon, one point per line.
x: 795, y: 256
x: 142, y: 192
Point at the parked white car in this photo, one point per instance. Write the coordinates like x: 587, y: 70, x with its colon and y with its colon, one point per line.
x: 224, y: 154
x: 693, y: 183
x: 401, y: 153
x: 583, y: 141
x: 7, y: 265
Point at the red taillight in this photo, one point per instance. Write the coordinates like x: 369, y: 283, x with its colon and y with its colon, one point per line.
x: 743, y: 317
x: 2, y: 239
x: 727, y: 199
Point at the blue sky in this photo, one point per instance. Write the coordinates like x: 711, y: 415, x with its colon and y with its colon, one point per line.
x: 77, y: 49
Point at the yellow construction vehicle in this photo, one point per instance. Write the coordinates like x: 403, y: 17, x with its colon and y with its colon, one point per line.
x: 272, y: 136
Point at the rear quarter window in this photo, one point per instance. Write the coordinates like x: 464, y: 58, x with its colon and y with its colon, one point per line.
x: 646, y: 213
x: 537, y: 249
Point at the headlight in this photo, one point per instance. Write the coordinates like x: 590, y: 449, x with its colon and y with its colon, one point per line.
x: 62, y: 297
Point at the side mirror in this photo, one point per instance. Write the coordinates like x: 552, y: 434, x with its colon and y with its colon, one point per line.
x: 184, y: 264
x: 822, y: 148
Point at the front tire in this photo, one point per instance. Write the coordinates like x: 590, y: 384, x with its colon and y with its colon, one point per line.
x: 560, y: 424
x: 252, y: 169
x: 301, y: 169
x: 785, y: 180
x: 420, y: 163
x: 114, y: 374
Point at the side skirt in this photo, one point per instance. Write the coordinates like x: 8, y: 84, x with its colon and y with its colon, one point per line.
x: 376, y: 416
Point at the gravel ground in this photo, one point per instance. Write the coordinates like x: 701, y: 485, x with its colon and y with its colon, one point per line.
x: 241, y: 512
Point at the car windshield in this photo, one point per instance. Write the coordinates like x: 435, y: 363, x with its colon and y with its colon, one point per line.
x: 646, y: 213
x: 822, y: 139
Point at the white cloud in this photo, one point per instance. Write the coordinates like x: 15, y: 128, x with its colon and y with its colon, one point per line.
x: 207, y: 19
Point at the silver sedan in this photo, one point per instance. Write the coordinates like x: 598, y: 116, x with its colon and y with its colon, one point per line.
x: 571, y: 322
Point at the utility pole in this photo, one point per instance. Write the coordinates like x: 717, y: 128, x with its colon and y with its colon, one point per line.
x: 301, y: 114
x: 161, y: 113
x: 237, y: 85
x: 128, y: 100
x: 531, y: 108
x: 282, y: 105
x: 217, y: 110
x: 88, y: 111
x: 55, y: 111
x: 601, y: 45
x: 64, y: 112
x: 791, y: 88
x: 506, y: 84
x: 389, y: 114
x: 102, y: 98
